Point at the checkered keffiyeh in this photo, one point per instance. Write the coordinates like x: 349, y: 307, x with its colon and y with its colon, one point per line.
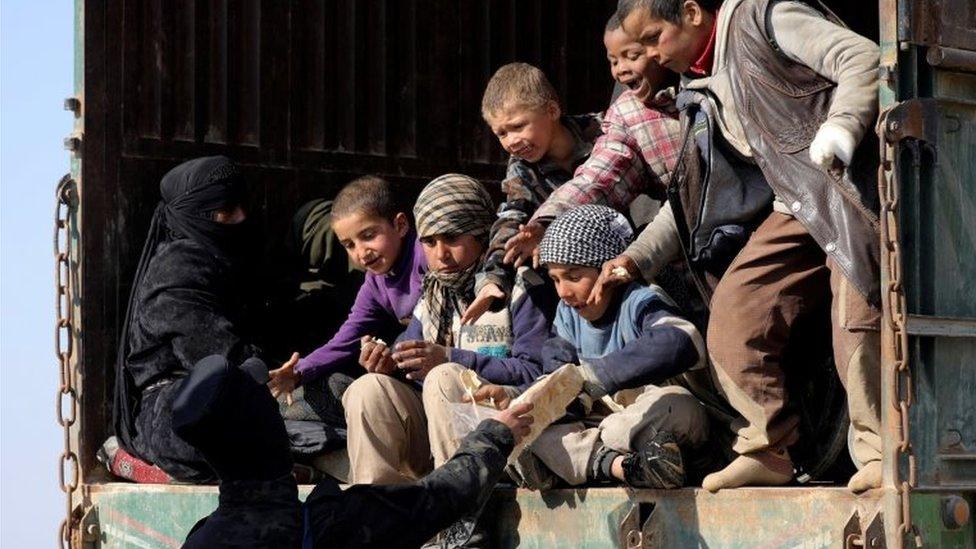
x: 452, y: 204
x: 588, y: 236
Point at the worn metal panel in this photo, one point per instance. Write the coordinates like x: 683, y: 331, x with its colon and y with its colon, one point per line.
x: 938, y: 231
x: 161, y: 516
x: 938, y: 22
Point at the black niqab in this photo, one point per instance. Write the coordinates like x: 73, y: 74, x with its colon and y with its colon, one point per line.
x: 190, y: 193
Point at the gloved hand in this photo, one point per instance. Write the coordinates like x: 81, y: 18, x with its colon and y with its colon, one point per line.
x: 832, y: 142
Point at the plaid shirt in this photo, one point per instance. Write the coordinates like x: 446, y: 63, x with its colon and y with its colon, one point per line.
x: 526, y: 186
x: 636, y: 154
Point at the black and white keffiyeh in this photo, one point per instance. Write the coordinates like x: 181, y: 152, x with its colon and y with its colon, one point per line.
x: 588, y: 236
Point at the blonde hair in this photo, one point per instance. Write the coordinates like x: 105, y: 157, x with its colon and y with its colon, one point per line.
x: 517, y: 85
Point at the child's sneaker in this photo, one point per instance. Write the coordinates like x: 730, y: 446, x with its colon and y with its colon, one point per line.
x: 658, y: 464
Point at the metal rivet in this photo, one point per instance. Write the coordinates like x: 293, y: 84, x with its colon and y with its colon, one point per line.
x: 796, y: 206
x: 830, y: 247
x: 955, y: 512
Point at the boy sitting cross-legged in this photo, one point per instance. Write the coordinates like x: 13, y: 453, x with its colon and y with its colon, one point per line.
x: 546, y: 146
x: 387, y: 411
x: 634, y: 427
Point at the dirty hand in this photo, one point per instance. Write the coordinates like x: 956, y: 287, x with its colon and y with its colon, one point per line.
x: 417, y: 358
x: 496, y: 393
x: 515, y: 418
x: 619, y: 270
x: 481, y: 303
x: 525, y: 245
x: 375, y: 356
x: 830, y: 145
x: 285, y: 379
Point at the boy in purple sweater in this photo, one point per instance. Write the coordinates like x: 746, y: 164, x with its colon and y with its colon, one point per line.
x: 376, y: 235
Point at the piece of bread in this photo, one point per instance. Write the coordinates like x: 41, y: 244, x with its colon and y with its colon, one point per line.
x: 550, y: 396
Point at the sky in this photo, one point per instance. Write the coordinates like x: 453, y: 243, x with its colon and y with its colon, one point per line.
x: 36, y: 74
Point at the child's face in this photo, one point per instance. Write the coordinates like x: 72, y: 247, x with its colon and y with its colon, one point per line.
x: 630, y: 65
x: 370, y: 240
x: 574, y: 284
x: 674, y: 47
x: 525, y: 132
x: 451, y: 253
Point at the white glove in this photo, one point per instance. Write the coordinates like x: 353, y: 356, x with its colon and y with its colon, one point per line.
x: 832, y: 142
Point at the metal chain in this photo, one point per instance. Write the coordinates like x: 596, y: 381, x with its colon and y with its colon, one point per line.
x: 67, y: 397
x: 902, y: 390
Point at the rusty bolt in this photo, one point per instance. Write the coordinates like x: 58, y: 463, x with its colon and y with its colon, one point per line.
x: 72, y: 104
x: 955, y: 512
x: 72, y: 143
x: 953, y: 438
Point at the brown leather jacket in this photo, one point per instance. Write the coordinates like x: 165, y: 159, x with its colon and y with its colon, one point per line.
x: 781, y: 105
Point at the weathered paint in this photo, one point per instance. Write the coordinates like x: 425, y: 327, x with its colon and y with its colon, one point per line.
x: 161, y: 516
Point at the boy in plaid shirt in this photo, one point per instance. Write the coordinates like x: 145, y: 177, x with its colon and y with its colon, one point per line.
x: 635, y: 154
x: 546, y: 147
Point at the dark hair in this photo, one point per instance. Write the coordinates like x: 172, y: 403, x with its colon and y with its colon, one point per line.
x: 613, y: 23
x: 370, y: 195
x: 669, y: 10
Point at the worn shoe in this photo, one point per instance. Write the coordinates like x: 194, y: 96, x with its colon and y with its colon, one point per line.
x: 658, y: 464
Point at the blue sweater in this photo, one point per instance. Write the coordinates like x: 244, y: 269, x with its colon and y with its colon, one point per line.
x: 640, y: 340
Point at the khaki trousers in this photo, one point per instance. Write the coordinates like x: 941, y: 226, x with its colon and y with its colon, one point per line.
x: 780, y: 275
x: 387, y: 437
x: 567, y: 448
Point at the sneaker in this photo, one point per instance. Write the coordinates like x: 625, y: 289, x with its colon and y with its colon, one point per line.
x: 658, y: 464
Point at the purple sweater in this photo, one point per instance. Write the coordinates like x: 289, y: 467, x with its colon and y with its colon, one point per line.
x: 380, y: 304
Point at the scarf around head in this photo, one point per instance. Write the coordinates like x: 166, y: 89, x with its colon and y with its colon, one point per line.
x: 190, y: 193
x: 452, y: 204
x: 588, y: 236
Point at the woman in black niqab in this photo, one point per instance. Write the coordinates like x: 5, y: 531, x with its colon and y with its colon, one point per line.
x: 184, y: 306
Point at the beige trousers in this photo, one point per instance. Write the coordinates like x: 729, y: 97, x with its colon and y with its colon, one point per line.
x: 567, y: 448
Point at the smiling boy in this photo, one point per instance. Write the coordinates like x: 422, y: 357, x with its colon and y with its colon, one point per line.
x: 795, y: 92
x: 546, y: 146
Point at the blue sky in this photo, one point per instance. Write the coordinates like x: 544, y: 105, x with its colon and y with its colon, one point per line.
x: 36, y: 45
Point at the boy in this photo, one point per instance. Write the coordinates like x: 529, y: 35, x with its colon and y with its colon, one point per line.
x: 376, y: 235
x: 386, y: 411
x: 627, y: 345
x: 810, y: 86
x: 522, y: 109
x: 635, y: 154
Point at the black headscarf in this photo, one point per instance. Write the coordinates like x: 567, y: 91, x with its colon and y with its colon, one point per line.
x: 190, y: 194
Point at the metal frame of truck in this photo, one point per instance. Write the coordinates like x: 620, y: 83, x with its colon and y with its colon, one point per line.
x: 151, y: 88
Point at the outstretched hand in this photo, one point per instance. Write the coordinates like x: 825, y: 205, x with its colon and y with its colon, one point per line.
x: 516, y: 419
x: 524, y: 246
x: 618, y: 271
x: 482, y: 302
x: 285, y: 379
